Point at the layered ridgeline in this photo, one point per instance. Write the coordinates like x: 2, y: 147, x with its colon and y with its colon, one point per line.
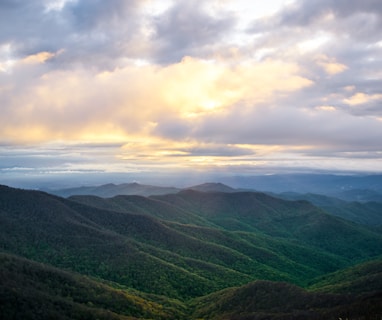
x: 345, y: 187
x: 157, y: 254
x: 364, y: 212
x: 346, y: 201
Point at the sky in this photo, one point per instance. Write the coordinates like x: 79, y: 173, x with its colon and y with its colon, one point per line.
x: 142, y: 87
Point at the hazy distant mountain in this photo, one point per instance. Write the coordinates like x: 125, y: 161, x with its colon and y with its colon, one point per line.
x: 179, y: 246
x: 360, y: 195
x: 327, y: 184
x: 212, y: 187
x: 347, y: 187
x: 368, y: 213
x: 111, y: 190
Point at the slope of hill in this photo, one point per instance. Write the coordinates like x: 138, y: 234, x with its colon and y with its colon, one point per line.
x: 134, y: 250
x: 269, y: 300
x: 142, y: 205
x: 362, y: 278
x: 256, y: 213
x: 31, y: 290
x: 225, y: 240
x: 299, y: 220
x: 353, y: 293
x: 368, y: 213
x: 282, y: 256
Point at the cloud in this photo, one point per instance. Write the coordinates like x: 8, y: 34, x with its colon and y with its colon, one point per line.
x: 39, y: 57
x: 136, y: 100
x: 91, y: 33
x: 287, y: 127
x: 188, y: 29
x: 362, y: 98
x: 176, y: 83
x: 330, y: 65
x: 307, y: 13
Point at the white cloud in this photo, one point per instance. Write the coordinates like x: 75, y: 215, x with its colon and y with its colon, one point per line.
x: 181, y: 80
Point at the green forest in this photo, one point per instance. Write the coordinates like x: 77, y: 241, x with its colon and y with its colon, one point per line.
x: 186, y: 255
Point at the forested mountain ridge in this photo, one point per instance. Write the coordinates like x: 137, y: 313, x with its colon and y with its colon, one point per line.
x: 346, y: 197
x: 146, y: 246
x: 31, y: 290
x: 366, y: 212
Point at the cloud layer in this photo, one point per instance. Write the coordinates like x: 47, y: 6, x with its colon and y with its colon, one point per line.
x: 175, y: 84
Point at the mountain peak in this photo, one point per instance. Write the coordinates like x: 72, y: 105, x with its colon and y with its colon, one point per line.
x: 212, y: 187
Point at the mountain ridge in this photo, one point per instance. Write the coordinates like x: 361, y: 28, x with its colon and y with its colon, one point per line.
x: 142, y: 246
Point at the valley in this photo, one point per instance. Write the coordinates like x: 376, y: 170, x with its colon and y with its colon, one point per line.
x: 187, y: 255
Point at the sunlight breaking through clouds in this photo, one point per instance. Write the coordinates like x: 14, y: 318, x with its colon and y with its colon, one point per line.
x: 180, y: 85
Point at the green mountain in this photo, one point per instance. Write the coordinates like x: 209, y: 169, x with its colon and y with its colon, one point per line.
x: 297, y: 220
x: 362, y: 278
x: 352, y: 293
x: 31, y: 290
x: 171, y: 249
x: 270, y: 300
x: 368, y: 213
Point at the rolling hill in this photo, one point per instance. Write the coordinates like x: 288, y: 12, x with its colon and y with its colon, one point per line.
x: 31, y: 290
x: 368, y: 213
x: 269, y: 300
x: 180, y: 246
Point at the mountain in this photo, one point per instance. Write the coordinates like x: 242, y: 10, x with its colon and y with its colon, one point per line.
x: 212, y: 187
x: 262, y: 300
x: 360, y: 188
x: 142, y: 205
x: 250, y: 212
x: 111, y: 190
x: 368, y: 213
x: 31, y: 290
x: 353, y: 293
x: 362, y: 278
x: 327, y: 184
x: 360, y: 195
x: 169, y: 249
x: 134, y: 250
x: 261, y: 213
